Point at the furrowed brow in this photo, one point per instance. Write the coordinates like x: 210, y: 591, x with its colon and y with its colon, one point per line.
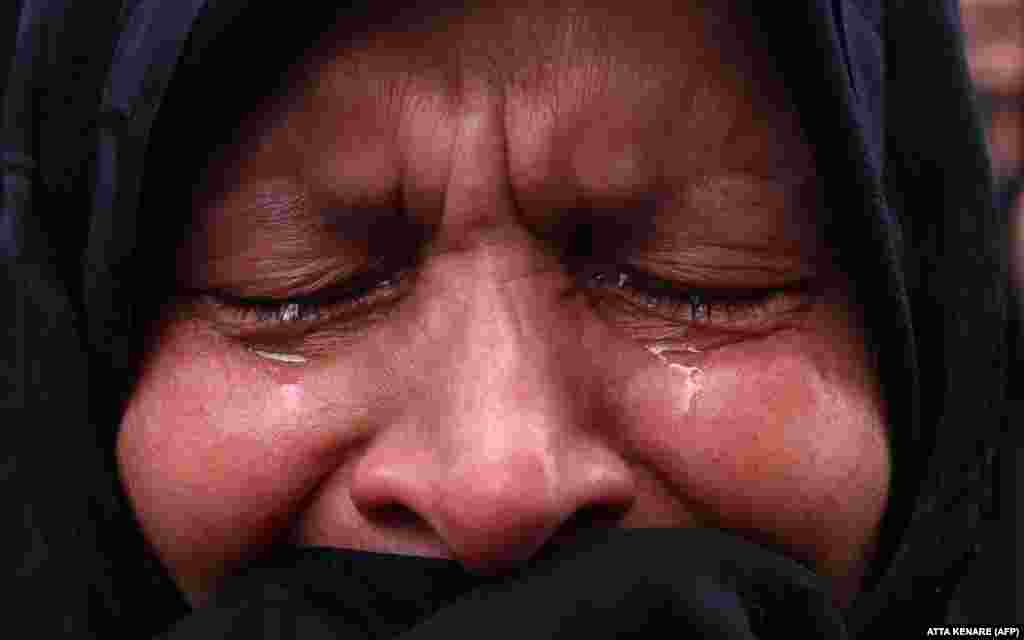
x: 276, y: 237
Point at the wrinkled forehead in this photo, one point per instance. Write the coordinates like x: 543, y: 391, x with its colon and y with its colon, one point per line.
x: 536, y: 48
x: 610, y: 99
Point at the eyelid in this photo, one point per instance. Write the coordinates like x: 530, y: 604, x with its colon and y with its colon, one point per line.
x: 745, y: 308
x: 291, y: 358
x: 345, y: 300
x: 730, y: 268
x: 633, y: 297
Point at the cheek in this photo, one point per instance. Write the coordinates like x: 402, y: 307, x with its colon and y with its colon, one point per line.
x: 781, y: 438
x: 216, y: 453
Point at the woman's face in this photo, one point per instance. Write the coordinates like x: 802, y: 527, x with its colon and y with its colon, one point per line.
x: 480, y: 281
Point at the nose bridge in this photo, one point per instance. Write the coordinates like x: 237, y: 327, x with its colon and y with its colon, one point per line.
x: 503, y: 327
x: 510, y: 363
x: 507, y: 418
x: 501, y: 457
x: 477, y: 187
x: 513, y: 392
x: 492, y: 453
x: 511, y: 331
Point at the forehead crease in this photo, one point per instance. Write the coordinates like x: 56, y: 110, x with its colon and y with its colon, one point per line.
x: 589, y: 106
x: 617, y: 136
x: 533, y: 49
x: 773, y: 210
x: 544, y: 95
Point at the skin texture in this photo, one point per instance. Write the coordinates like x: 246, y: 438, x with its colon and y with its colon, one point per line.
x: 506, y: 162
x: 995, y: 55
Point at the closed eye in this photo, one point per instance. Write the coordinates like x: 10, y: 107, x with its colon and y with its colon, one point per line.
x: 347, y: 299
x: 644, y: 294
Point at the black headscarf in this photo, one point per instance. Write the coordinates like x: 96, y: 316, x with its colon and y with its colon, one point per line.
x: 884, y: 98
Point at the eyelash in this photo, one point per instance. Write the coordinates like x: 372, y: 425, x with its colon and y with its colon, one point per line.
x: 642, y: 292
x: 654, y: 296
x: 364, y: 292
x: 648, y: 292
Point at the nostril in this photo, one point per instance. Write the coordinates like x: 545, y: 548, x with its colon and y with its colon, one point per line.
x: 601, y: 516
x: 394, y: 515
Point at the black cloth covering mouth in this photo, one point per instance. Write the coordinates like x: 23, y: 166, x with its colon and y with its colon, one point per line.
x: 612, y: 583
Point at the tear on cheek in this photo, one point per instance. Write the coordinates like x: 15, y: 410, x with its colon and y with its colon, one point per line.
x: 668, y: 389
x: 290, y: 358
x: 685, y: 379
x: 759, y: 430
x: 661, y: 405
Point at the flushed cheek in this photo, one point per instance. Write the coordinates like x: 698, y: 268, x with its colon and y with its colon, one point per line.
x: 217, y: 454
x: 779, y: 437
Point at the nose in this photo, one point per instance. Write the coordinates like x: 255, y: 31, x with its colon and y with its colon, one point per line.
x: 501, y: 455
x: 489, y: 514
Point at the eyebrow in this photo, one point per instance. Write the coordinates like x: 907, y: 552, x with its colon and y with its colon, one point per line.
x: 275, y: 236
x: 297, y: 226
x: 753, y: 191
x: 282, y: 204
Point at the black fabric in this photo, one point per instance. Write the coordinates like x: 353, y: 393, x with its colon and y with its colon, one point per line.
x: 883, y: 94
x: 76, y: 565
x: 9, y: 13
x: 608, y: 584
